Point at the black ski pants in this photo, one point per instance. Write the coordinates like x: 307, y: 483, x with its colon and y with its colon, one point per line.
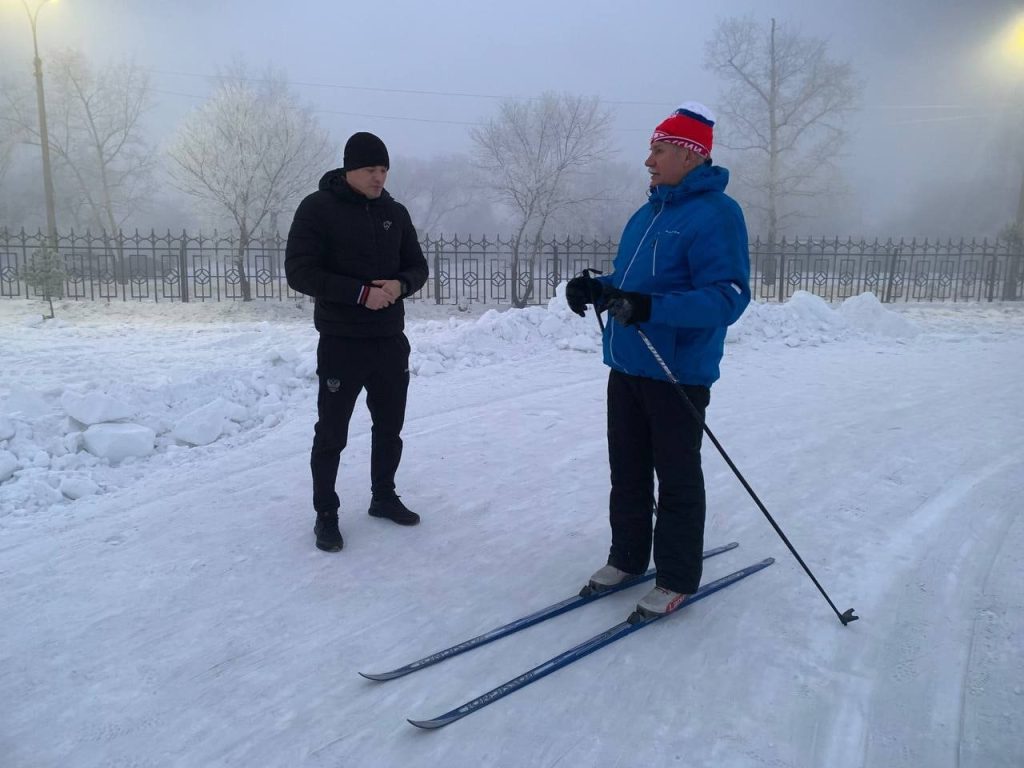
x: 345, y: 367
x: 651, y: 431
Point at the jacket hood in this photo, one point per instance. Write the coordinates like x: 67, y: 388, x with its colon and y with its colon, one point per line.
x: 334, y: 181
x: 704, y: 178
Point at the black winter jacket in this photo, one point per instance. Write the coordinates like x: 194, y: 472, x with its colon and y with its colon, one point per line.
x: 339, y: 241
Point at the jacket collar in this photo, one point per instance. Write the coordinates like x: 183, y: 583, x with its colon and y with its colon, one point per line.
x: 703, y: 178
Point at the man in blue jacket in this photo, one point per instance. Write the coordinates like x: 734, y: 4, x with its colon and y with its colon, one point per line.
x: 682, y: 276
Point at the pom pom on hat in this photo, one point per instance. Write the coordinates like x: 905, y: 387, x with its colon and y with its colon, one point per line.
x: 690, y: 126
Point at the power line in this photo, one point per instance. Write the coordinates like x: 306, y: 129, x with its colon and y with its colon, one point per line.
x: 406, y: 91
x: 395, y: 117
x: 365, y: 114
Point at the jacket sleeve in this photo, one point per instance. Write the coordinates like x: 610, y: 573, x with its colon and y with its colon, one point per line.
x: 306, y: 256
x: 720, y: 271
x: 412, y: 269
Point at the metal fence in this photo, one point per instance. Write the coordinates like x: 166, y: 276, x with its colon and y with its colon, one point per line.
x: 466, y: 270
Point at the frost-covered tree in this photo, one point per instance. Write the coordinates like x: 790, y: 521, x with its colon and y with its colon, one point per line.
x: 250, y: 151
x: 783, y: 112
x: 433, y: 189
x: 532, y: 156
x: 102, y: 160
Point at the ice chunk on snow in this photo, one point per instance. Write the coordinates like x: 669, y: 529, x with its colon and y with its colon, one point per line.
x: 77, y: 487
x: 119, y: 441
x: 204, y: 425
x: 95, y: 407
x: 8, y: 464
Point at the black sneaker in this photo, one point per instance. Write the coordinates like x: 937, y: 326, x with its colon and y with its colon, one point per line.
x: 328, y: 537
x: 393, y: 509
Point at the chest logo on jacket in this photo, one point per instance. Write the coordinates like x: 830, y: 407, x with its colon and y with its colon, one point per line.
x: 387, y: 225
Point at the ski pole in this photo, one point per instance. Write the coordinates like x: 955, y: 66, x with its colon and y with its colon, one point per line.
x: 847, y: 616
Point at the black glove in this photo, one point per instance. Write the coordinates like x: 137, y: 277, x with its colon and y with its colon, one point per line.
x: 627, y: 307
x: 581, y: 291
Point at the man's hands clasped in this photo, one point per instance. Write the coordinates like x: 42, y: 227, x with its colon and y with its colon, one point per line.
x: 383, y: 293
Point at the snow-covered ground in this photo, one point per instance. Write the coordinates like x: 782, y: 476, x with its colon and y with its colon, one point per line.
x: 163, y: 604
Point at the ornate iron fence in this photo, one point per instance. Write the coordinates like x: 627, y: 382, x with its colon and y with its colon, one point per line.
x: 481, y: 270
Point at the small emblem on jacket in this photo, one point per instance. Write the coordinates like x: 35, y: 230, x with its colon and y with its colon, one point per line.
x: 387, y: 225
x: 333, y: 385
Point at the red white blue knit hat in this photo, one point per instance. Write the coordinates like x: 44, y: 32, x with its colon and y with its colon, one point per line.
x: 690, y: 126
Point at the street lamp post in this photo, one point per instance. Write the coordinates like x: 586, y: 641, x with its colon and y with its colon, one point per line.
x: 44, y: 135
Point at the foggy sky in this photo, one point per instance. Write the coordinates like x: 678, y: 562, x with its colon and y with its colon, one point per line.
x: 934, y: 124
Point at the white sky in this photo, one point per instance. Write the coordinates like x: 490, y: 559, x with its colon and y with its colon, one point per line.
x: 935, y: 105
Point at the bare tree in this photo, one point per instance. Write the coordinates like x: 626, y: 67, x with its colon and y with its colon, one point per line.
x: 250, y: 151
x: 95, y: 135
x: 532, y: 155
x: 619, y: 188
x: 783, y: 111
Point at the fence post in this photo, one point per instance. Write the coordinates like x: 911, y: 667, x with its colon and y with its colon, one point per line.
x: 183, y: 267
x: 556, y: 269
x: 893, y: 252
x: 991, y: 280
x: 437, y: 272
x: 782, y: 271
x: 1014, y: 259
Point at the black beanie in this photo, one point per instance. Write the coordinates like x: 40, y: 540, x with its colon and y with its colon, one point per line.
x: 363, y: 149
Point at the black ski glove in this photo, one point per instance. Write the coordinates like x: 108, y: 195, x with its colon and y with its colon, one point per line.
x: 581, y: 291
x: 627, y: 307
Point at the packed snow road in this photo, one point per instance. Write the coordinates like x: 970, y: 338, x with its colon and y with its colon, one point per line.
x: 180, y: 615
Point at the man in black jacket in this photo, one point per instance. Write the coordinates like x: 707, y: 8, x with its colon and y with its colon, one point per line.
x: 354, y: 249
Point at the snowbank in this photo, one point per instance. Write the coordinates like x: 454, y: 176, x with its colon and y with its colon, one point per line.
x: 89, y: 400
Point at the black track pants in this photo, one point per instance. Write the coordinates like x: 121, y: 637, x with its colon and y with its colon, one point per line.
x: 346, y: 366
x: 650, y: 430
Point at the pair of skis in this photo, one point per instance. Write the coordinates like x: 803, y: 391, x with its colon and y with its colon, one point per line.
x: 635, y: 622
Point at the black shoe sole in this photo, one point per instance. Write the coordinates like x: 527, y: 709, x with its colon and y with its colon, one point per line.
x: 382, y: 516
x: 327, y: 546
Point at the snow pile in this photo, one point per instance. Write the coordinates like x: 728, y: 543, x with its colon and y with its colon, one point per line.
x: 90, y: 427
x: 866, y: 313
x: 808, y: 320
x: 116, y: 387
x: 498, y: 336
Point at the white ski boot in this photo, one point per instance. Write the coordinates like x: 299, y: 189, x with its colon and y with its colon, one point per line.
x: 660, y: 601
x: 606, y: 577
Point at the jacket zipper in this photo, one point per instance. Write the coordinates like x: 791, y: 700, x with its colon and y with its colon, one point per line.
x: 611, y: 338
x: 373, y: 229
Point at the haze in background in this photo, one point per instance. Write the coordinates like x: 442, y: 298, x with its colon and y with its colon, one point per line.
x: 937, y: 146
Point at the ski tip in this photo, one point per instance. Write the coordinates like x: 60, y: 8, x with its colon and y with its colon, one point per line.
x: 429, y: 725
x: 730, y: 545
x: 379, y: 676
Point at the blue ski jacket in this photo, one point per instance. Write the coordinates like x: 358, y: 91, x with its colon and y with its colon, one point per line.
x: 686, y: 248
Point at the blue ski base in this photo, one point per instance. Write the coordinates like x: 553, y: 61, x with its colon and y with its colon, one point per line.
x: 557, y: 609
x: 583, y: 649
